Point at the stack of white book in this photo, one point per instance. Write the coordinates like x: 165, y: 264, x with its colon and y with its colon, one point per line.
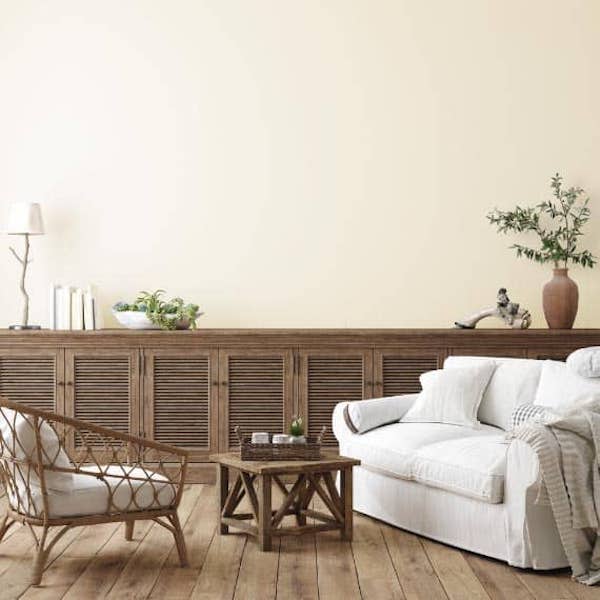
x: 73, y: 307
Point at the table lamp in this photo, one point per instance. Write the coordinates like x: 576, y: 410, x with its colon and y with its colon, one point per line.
x: 24, y: 219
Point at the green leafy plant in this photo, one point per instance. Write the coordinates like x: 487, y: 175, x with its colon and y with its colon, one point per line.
x: 557, y: 222
x: 169, y: 314
x: 297, y: 427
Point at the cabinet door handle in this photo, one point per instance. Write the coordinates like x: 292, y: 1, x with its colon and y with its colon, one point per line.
x: 378, y: 383
x: 69, y: 383
x: 223, y: 383
x: 215, y: 383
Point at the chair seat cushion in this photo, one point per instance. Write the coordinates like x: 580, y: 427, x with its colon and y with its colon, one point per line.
x: 467, y: 461
x: 145, y: 490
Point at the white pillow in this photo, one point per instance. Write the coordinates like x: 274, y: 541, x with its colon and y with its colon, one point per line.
x: 450, y: 396
x: 527, y: 412
x: 364, y: 415
x: 22, y: 446
x: 585, y: 361
x: 559, y: 387
x: 514, y: 382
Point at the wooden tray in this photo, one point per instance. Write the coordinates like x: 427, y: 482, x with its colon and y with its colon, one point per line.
x: 311, y: 450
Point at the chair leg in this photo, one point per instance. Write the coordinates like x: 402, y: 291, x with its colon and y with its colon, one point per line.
x: 43, y: 550
x: 129, y: 530
x: 5, y: 524
x: 179, y: 541
x: 41, y: 554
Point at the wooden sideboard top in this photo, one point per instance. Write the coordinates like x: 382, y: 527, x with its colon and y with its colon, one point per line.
x: 450, y: 337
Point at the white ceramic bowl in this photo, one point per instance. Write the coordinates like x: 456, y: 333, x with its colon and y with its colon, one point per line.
x: 133, y: 319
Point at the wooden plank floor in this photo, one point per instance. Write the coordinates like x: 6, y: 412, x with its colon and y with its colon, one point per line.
x: 382, y: 562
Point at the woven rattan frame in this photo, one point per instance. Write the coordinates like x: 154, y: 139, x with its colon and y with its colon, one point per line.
x: 24, y: 473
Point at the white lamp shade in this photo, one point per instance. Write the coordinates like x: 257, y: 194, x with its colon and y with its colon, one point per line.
x: 25, y: 217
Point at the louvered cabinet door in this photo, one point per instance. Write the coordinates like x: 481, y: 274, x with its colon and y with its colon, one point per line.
x: 255, y: 392
x: 180, y: 400
x: 327, y: 377
x: 102, y: 387
x: 33, y: 377
x: 397, y: 371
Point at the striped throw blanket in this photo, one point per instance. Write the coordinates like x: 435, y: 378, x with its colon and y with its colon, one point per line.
x: 568, y: 449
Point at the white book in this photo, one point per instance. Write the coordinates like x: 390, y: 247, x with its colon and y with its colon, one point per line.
x: 89, y: 308
x: 63, y: 307
x: 77, y: 309
x: 52, y: 307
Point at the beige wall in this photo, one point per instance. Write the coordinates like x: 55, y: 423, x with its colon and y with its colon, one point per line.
x: 295, y: 162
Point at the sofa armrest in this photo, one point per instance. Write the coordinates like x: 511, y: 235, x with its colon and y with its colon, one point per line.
x: 522, y: 467
x: 354, y: 418
x: 529, y: 525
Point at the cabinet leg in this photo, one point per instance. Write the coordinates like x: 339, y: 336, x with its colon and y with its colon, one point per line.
x: 264, y: 512
x: 222, y: 492
x: 346, y: 495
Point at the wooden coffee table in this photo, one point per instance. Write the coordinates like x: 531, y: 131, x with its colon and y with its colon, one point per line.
x: 315, y: 477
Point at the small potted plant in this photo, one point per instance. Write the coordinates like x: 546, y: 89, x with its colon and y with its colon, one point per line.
x: 150, y: 311
x: 558, y: 223
x: 297, y: 431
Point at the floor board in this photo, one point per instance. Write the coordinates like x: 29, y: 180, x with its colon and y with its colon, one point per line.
x: 382, y: 562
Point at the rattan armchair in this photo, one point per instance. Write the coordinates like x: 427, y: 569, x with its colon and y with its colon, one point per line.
x: 62, y: 472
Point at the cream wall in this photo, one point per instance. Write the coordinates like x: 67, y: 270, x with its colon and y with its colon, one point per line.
x: 295, y: 162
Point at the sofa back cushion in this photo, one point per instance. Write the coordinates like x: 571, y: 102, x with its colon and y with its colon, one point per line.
x: 514, y: 382
x: 560, y: 387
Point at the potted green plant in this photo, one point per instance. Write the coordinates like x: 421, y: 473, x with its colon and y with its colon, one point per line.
x: 150, y: 311
x: 297, y: 431
x: 558, y: 223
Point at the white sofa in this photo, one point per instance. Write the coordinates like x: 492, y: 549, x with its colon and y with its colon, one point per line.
x: 471, y: 488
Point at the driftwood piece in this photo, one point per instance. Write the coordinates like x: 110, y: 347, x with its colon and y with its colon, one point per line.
x: 509, y: 312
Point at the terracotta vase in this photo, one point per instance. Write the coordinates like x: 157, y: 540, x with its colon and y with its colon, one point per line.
x: 560, y: 300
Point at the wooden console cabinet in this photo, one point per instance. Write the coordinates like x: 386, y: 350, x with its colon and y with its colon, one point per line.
x: 193, y: 388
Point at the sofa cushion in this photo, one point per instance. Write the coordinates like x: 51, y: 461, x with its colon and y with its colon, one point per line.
x: 471, y: 466
x: 560, y: 388
x: 514, y: 382
x: 451, y: 396
x: 463, y: 460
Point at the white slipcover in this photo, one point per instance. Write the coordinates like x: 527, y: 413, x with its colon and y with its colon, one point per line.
x: 517, y: 530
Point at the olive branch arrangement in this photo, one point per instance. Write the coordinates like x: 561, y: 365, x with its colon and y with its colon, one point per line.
x: 557, y: 222
x: 165, y: 314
